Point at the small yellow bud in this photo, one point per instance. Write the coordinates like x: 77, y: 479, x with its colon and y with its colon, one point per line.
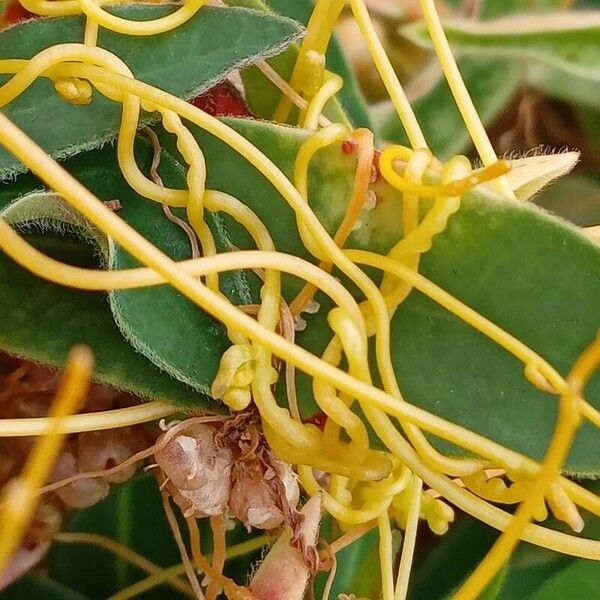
x: 234, y: 378
x: 73, y: 90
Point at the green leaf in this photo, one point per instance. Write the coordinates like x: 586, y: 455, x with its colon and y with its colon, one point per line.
x: 330, y: 184
x: 169, y: 330
x: 491, y: 9
x: 579, y: 580
x: 42, y: 322
x: 559, y: 50
x: 184, y: 63
x: 491, y: 83
x: 534, y: 276
x: 510, y: 261
x: 567, y: 41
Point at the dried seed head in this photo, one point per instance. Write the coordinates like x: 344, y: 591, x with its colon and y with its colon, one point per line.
x: 210, y: 500
x: 79, y: 494
x: 198, y: 471
x: 254, y: 499
x: 192, y: 460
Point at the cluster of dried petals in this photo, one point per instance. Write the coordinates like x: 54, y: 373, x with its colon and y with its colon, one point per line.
x: 227, y: 470
x: 254, y: 493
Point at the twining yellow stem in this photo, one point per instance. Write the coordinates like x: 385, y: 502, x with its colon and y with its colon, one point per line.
x: 19, y: 497
x: 124, y: 553
x: 318, y: 33
x: 451, y: 189
x: 91, y: 33
x: 174, y: 525
x: 315, y: 107
x: 459, y: 91
x: 94, y: 10
x: 227, y: 313
x: 109, y: 419
x: 217, y: 525
x: 365, y: 153
x: 108, y: 221
x: 410, y: 538
x: 95, y: 211
x: 386, y: 559
x: 388, y: 75
x: 567, y: 421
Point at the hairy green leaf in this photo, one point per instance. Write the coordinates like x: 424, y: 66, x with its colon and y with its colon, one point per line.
x: 169, y: 330
x: 42, y: 322
x: 534, y: 276
x: 509, y: 260
x: 184, y: 63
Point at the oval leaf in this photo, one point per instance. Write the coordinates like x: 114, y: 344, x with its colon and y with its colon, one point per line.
x: 184, y: 64
x: 169, y: 330
x: 510, y: 261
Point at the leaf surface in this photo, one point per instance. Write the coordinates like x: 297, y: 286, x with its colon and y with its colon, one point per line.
x: 184, y: 63
x: 528, y: 272
x: 157, y: 320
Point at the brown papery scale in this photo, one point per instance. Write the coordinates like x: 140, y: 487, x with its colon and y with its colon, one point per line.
x: 197, y: 470
x: 100, y: 450
x: 259, y: 493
